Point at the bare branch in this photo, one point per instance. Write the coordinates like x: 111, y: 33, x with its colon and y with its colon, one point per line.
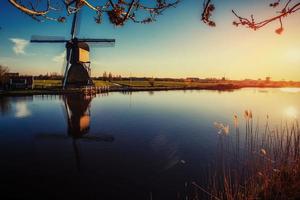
x: 29, y: 11
x: 118, y: 11
x: 208, y: 8
x: 284, y: 12
x: 288, y: 8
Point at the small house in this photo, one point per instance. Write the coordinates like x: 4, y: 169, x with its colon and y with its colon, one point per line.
x: 20, y: 82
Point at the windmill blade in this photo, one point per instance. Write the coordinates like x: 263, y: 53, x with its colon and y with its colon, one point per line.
x: 47, y: 39
x: 99, y: 42
x: 87, y: 138
x: 54, y: 136
x: 64, y: 63
x: 69, y: 56
x: 76, y: 24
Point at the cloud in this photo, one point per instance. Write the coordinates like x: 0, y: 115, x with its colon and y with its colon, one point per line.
x: 59, y: 58
x: 19, y: 45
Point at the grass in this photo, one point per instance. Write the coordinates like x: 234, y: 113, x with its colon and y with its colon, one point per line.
x: 102, y: 83
x: 166, y: 84
x: 56, y: 84
x: 44, y: 84
x: 134, y: 83
x: 259, y: 164
x: 48, y: 84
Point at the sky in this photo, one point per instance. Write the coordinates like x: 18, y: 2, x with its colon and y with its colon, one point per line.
x: 177, y: 45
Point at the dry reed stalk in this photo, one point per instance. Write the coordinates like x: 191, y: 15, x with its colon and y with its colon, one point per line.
x: 257, y: 165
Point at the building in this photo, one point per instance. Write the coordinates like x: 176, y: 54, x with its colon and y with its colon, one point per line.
x: 14, y: 81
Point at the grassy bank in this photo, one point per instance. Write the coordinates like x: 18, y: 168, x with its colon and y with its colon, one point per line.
x: 51, y: 84
x: 55, y: 86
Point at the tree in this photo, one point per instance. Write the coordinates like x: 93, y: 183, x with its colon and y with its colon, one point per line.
x: 151, y: 82
x: 104, y: 76
x: 118, y: 11
x: 3, y: 76
x: 287, y: 8
x: 110, y: 76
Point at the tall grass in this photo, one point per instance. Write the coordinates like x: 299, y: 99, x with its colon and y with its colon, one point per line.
x: 259, y: 163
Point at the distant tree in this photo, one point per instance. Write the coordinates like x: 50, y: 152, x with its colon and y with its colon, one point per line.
x: 55, y: 76
x: 151, y: 81
x: 3, y: 71
x: 268, y: 79
x: 104, y: 76
x: 287, y: 8
x: 118, y: 11
x: 110, y: 77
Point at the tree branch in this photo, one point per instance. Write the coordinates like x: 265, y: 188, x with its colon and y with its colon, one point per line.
x: 288, y: 8
x: 118, y: 12
x: 284, y: 12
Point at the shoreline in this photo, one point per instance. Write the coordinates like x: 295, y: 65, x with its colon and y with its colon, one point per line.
x: 31, y: 92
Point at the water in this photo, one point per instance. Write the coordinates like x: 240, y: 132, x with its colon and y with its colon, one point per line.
x: 144, y: 145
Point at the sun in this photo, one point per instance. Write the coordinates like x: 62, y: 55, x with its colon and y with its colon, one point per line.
x: 291, y: 112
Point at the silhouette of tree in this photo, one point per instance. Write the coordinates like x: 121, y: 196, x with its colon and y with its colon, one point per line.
x: 110, y: 77
x: 151, y: 82
x: 287, y: 8
x: 118, y: 11
x: 3, y: 71
x: 104, y: 76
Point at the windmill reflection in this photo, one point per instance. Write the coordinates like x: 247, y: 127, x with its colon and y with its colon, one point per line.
x: 78, y: 117
x: 78, y: 114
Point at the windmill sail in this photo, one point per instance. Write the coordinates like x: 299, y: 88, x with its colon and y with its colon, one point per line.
x: 47, y: 39
x: 98, y: 42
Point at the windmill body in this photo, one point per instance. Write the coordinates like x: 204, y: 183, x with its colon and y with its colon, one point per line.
x: 77, y: 71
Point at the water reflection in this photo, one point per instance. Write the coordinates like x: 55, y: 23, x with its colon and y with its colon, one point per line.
x: 5, y: 106
x: 78, y: 117
x: 290, y: 90
x: 22, y: 110
x: 18, y: 106
x: 162, y: 141
x: 78, y: 114
x: 166, y: 152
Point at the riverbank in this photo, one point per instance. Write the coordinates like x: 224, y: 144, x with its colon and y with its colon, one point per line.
x: 124, y: 88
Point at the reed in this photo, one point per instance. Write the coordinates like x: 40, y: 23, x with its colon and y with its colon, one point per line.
x: 261, y: 163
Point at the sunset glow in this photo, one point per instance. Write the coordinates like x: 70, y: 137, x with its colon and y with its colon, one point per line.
x: 291, y: 112
x: 177, y: 45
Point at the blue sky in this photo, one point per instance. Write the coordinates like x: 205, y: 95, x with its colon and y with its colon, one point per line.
x: 177, y: 45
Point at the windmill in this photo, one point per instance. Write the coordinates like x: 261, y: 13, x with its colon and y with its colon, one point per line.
x: 77, y: 71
